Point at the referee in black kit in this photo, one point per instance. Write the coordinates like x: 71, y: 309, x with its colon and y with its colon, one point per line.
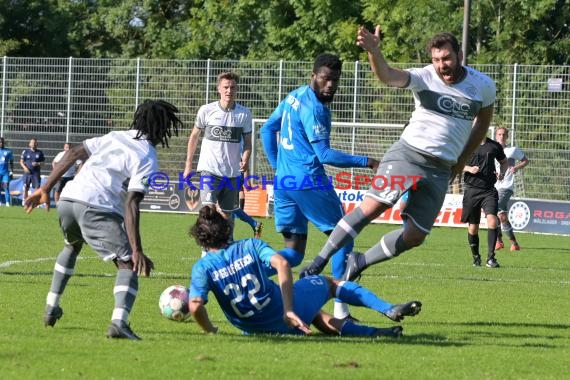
x: 480, y: 193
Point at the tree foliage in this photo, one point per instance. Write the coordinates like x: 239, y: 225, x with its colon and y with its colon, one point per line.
x: 500, y: 31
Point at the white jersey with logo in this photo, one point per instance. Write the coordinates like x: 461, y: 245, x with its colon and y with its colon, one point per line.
x: 117, y: 164
x: 220, y: 152
x: 514, y: 155
x: 441, y: 122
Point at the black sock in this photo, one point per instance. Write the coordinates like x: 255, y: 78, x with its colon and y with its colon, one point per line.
x: 473, y: 244
x: 491, y: 240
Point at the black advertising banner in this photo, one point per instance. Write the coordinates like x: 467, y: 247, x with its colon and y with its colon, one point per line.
x: 534, y: 215
x: 172, y: 199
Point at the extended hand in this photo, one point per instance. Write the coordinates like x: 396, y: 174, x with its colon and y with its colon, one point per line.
x: 373, y: 164
x: 142, y: 264
x: 367, y: 40
x: 38, y: 197
x: 292, y: 320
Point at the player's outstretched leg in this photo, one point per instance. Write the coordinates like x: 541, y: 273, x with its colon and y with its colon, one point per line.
x: 356, y: 295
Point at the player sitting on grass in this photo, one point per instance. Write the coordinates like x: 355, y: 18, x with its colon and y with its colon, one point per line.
x: 100, y: 207
x: 237, y: 274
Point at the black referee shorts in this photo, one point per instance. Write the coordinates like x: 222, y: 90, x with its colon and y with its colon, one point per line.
x: 475, y: 199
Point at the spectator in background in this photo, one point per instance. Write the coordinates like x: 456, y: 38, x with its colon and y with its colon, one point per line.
x: 6, y: 171
x: 516, y: 160
x: 479, y: 179
x: 31, y: 161
x: 68, y: 175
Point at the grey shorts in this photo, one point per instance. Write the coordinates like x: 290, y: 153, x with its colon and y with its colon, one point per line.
x: 102, y: 230
x: 504, y: 197
x: 222, y: 191
x: 424, y: 177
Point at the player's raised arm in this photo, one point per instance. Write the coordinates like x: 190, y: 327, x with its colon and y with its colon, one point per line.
x: 385, y: 73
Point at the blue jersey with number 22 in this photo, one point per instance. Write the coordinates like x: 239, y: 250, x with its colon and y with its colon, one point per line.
x: 237, y: 277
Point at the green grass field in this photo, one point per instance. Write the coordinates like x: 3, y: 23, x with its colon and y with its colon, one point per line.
x: 476, y: 323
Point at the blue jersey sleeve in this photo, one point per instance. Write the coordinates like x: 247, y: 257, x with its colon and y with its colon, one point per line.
x: 329, y: 156
x: 316, y: 121
x: 264, y: 251
x: 268, y: 134
x: 199, y: 282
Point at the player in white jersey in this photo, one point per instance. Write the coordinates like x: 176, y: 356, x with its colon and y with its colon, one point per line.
x: 453, y: 110
x: 100, y: 207
x: 517, y: 160
x: 224, y: 123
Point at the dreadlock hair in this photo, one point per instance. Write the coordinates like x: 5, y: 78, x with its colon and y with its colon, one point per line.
x: 331, y: 61
x: 441, y: 39
x: 156, y: 120
x: 212, y: 229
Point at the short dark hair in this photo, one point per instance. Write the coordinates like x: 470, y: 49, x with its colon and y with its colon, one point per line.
x: 229, y: 75
x: 211, y: 229
x: 441, y: 39
x: 331, y: 61
x: 157, y: 121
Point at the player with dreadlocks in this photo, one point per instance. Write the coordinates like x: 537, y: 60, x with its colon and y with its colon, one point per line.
x: 100, y: 207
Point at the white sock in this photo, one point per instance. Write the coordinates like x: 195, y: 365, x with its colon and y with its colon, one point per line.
x: 340, y: 310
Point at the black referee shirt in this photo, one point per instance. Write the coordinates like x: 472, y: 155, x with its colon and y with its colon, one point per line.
x: 484, y: 157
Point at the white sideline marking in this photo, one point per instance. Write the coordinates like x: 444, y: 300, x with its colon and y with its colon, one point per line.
x: 7, y: 264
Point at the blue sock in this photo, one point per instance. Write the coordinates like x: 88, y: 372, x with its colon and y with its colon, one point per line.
x: 338, y: 262
x: 293, y: 257
x: 242, y: 215
x: 356, y: 295
x: 352, y: 329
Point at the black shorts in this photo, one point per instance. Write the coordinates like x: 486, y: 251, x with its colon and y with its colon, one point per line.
x: 475, y: 199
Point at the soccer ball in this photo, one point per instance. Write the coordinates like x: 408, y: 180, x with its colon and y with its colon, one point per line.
x: 173, y: 303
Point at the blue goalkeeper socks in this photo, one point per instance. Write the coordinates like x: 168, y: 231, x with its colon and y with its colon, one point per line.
x: 352, y: 329
x: 356, y: 295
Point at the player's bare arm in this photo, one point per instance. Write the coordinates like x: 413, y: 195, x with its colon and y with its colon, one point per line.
x: 141, y: 263
x: 384, y: 72
x: 246, y: 152
x: 200, y: 315
x: 41, y: 195
x: 503, y: 169
x: 192, y: 144
x: 523, y: 162
x: 285, y: 279
x: 478, y: 132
